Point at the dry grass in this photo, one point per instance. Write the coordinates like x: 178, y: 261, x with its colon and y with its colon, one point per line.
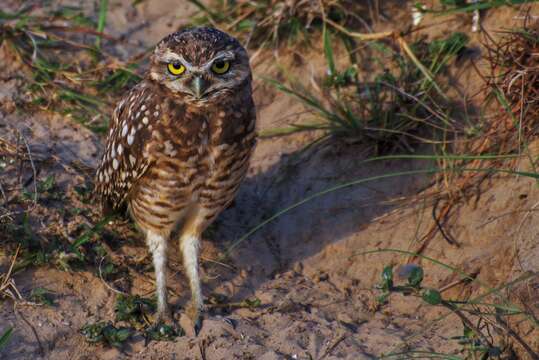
x: 271, y: 23
x: 69, y: 71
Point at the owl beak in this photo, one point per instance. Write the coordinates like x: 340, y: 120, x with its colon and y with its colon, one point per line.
x: 199, y: 86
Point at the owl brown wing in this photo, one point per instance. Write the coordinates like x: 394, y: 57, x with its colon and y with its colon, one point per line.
x: 123, y: 161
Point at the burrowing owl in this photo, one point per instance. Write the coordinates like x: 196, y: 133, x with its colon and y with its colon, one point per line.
x: 179, y: 146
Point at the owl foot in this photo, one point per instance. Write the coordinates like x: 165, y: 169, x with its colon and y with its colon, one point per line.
x: 164, y: 328
x: 191, y: 321
x: 163, y: 316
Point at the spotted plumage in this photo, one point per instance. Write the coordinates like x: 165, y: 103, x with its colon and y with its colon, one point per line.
x: 179, y: 145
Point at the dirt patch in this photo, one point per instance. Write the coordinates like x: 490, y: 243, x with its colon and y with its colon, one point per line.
x: 308, y: 269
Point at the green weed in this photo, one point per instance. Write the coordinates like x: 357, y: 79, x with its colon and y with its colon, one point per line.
x: 270, y: 23
x: 42, y: 296
x: 106, y: 333
x: 162, y: 332
x: 472, y: 340
x: 222, y: 303
x: 46, y: 189
x: 134, y: 309
x: 396, y: 107
x: 64, y: 256
x: 68, y: 74
x: 459, y: 6
x: 475, y: 341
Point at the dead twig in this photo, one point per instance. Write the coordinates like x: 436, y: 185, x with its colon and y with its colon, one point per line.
x: 439, y: 225
x: 9, y: 289
x: 33, y: 177
x: 7, y: 284
x: 514, y: 335
x: 105, y: 283
x: 333, y: 345
x: 20, y: 314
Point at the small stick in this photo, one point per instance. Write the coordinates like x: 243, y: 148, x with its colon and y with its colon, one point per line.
x: 34, y: 172
x: 333, y: 346
x: 7, y: 277
x: 514, y: 335
x: 104, y: 282
x: 41, y: 350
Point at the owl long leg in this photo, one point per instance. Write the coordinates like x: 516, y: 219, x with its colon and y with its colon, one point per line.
x: 158, y: 247
x: 189, y: 244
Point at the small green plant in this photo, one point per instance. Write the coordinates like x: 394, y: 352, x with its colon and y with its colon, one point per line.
x: 162, y: 332
x: 46, y: 189
x: 107, y: 333
x: 394, y: 108
x: 134, y: 309
x: 66, y: 257
x: 67, y: 75
x: 220, y: 301
x: 473, y: 340
x: 42, y: 296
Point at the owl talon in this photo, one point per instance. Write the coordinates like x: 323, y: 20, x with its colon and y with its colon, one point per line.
x: 197, y: 326
x: 163, y: 330
x: 191, y: 320
x: 164, y: 317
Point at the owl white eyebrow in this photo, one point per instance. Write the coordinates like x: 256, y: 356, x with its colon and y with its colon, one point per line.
x: 223, y: 55
x: 170, y: 57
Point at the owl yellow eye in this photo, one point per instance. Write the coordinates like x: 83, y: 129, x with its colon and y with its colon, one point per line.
x: 176, y: 68
x: 220, y: 67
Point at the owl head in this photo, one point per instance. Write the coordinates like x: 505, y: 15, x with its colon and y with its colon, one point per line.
x: 200, y: 64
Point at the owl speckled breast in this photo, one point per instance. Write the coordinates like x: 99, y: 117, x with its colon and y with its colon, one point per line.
x: 200, y: 159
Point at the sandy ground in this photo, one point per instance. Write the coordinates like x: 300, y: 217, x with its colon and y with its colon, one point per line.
x: 317, y: 290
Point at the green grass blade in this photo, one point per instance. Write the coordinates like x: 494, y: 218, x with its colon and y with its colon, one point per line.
x: 480, y: 6
x: 370, y: 179
x: 5, y: 337
x: 421, y: 355
x: 103, y: 9
x: 424, y: 257
x: 202, y: 7
x: 87, y: 236
x: 328, y: 51
x: 291, y: 129
x: 322, y: 193
x: 444, y: 157
x: 71, y: 95
x: 309, y: 101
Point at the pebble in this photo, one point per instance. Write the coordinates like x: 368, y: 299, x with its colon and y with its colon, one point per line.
x: 321, y: 276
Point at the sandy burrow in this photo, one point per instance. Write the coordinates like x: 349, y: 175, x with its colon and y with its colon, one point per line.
x: 316, y: 289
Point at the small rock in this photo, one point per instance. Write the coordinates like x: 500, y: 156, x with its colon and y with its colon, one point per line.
x: 270, y: 355
x: 289, y: 275
x: 321, y: 276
